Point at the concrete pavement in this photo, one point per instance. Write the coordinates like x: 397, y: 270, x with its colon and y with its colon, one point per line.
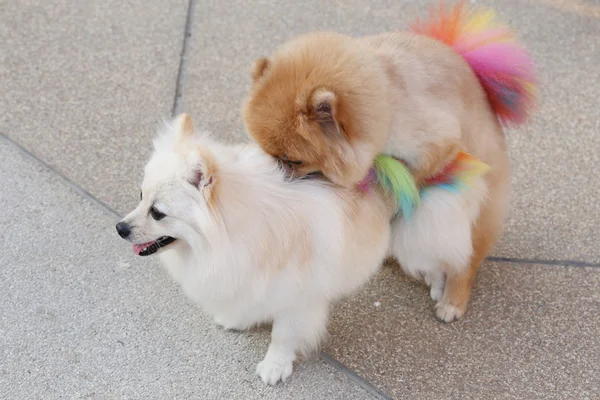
x: 83, y: 88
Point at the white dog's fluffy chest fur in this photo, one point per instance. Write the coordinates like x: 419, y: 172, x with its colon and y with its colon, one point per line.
x: 239, y: 293
x: 235, y: 293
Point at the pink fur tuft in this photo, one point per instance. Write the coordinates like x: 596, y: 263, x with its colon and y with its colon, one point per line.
x: 504, y: 68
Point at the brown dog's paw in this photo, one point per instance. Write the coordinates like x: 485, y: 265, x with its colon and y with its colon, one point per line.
x: 448, y: 312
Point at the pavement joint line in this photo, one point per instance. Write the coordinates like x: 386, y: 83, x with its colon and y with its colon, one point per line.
x: 187, y: 33
x: 562, y: 263
x: 78, y: 189
x: 572, y: 6
x: 352, y: 375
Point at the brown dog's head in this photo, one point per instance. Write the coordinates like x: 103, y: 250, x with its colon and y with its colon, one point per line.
x: 320, y: 104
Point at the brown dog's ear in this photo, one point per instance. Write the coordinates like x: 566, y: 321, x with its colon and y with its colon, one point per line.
x: 259, y: 68
x: 323, y: 108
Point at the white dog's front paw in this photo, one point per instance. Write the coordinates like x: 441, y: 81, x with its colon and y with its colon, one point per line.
x: 447, y: 312
x: 271, y: 371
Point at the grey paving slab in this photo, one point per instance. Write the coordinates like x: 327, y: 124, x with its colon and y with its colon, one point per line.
x: 82, y: 317
x: 555, y: 213
x: 84, y: 84
x: 531, y: 332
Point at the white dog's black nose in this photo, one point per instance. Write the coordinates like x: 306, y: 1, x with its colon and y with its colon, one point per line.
x: 123, y: 229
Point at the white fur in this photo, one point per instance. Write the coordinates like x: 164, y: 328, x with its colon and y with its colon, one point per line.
x: 242, y: 261
x: 436, y: 239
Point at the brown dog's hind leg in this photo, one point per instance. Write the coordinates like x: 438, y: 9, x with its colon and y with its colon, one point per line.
x: 457, y: 290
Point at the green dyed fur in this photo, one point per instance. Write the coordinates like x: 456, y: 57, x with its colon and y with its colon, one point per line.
x: 397, y: 178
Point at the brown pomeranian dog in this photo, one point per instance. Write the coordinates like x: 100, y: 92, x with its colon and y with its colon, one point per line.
x: 433, y: 100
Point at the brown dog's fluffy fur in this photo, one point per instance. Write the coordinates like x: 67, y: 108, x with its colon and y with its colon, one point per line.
x: 331, y: 103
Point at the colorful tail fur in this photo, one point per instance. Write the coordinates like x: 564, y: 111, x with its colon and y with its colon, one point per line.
x: 396, y: 178
x: 459, y: 174
x: 504, y: 68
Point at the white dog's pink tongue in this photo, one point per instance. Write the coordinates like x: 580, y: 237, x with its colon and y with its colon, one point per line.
x: 137, y: 248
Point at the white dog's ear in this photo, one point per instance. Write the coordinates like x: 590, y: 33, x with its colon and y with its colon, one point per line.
x: 184, y: 125
x: 204, y: 169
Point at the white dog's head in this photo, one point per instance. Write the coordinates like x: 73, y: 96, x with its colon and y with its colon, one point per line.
x: 177, y: 194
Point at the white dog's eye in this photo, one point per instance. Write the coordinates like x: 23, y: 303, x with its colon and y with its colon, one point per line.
x: 157, y: 215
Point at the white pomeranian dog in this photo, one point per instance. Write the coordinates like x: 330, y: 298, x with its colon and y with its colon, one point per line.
x: 251, y: 246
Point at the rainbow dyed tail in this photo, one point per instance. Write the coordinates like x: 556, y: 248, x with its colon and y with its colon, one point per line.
x: 396, y: 179
x: 505, y: 69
